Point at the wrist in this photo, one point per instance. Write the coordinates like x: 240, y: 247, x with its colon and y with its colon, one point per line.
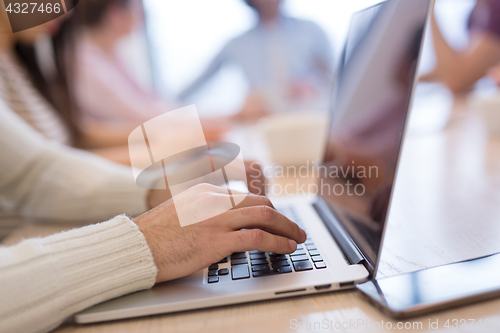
x: 152, y: 225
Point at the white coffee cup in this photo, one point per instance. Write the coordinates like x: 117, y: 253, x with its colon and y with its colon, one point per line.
x: 295, y: 138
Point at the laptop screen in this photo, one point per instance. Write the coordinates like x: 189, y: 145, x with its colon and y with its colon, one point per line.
x: 369, y: 117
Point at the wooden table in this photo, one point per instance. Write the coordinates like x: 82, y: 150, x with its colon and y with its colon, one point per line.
x: 446, y: 208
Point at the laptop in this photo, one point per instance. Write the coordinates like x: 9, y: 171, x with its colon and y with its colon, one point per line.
x: 346, y: 220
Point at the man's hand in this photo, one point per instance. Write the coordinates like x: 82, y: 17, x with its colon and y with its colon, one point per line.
x: 253, y: 225
x: 256, y: 182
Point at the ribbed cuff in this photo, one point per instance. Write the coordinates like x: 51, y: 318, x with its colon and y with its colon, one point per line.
x: 68, y: 272
x: 104, y: 261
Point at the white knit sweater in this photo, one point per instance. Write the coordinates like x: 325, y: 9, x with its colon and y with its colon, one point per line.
x: 46, y: 180
x: 43, y: 281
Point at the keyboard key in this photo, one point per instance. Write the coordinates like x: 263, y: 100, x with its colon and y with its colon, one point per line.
x: 309, y: 243
x: 302, y: 266
x: 311, y: 247
x: 277, y: 257
x: 263, y: 273
x: 239, y: 272
x: 212, y: 272
x: 299, y: 258
x: 320, y: 265
x: 260, y: 268
x: 223, y: 261
x: 223, y: 271
x: 314, y: 253
x: 316, y: 258
x: 256, y: 252
x: 238, y: 255
x: 260, y: 255
x: 259, y: 262
x: 300, y: 247
x: 285, y: 269
x: 214, y: 266
x: 298, y: 253
x: 281, y: 263
x: 239, y: 262
x: 213, y: 279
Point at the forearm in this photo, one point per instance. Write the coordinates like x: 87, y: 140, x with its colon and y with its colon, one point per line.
x: 459, y: 70
x: 447, y: 61
x: 446, y: 56
x: 118, y: 154
x: 74, y: 186
x: 46, y: 280
x: 97, y: 135
x: 44, y: 180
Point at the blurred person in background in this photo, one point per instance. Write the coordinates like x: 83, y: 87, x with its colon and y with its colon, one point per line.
x: 107, y: 95
x: 287, y: 62
x: 461, y: 69
x: 39, y: 91
x: 26, y: 91
x: 105, y: 91
x: 44, y: 93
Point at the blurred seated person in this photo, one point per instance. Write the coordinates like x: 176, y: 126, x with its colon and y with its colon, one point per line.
x: 45, y: 280
x: 28, y: 94
x: 286, y: 61
x: 459, y: 70
x: 42, y: 94
x: 105, y: 92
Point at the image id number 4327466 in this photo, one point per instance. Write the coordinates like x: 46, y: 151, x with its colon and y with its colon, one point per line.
x: 33, y: 7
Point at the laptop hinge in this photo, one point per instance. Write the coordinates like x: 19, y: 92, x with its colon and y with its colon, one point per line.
x: 344, y: 241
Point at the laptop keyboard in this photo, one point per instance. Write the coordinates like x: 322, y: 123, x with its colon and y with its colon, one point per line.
x: 255, y: 264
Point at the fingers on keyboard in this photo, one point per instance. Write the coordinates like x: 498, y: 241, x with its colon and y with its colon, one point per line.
x: 305, y: 258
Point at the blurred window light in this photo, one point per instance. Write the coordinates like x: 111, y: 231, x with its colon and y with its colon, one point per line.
x: 185, y: 35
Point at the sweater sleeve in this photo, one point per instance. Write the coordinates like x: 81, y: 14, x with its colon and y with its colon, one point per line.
x: 45, y: 180
x: 45, y: 280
